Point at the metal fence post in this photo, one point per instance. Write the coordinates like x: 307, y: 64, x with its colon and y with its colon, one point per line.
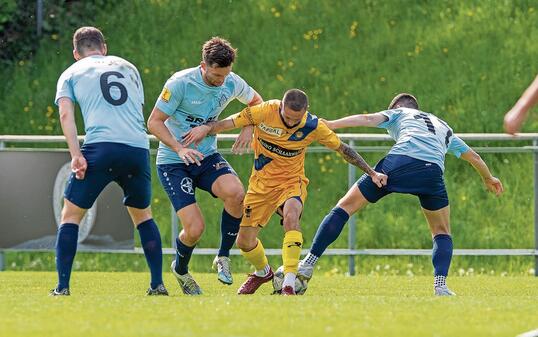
x: 174, y: 224
x: 351, y: 240
x: 39, y: 17
x: 1, y: 261
x: 535, y: 154
x: 2, y: 145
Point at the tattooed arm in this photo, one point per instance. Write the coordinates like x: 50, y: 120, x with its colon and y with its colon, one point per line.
x: 352, y: 157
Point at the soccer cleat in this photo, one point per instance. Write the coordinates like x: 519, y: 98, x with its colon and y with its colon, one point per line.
x: 443, y: 291
x: 253, y: 282
x: 288, y: 291
x: 159, y: 291
x: 63, y: 292
x: 186, y: 282
x: 305, y: 271
x: 222, y: 265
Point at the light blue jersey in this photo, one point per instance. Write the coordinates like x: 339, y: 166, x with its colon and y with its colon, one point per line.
x: 422, y: 136
x: 190, y: 102
x: 110, y: 94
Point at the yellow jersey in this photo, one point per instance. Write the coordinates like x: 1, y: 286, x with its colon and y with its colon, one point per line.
x: 279, y: 151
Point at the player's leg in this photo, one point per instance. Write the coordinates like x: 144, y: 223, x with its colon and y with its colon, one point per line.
x: 439, y: 223
x: 252, y: 250
x: 178, y: 183
x: 292, y: 243
x: 79, y: 195
x: 135, y: 180
x: 229, y: 189
x: 356, y: 198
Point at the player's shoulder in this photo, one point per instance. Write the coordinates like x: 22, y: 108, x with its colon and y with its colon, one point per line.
x: 183, y: 76
x: 120, y: 61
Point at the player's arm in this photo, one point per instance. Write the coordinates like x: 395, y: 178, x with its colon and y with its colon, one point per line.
x: 354, y: 158
x: 492, y: 183
x: 517, y: 115
x: 371, y: 120
x: 157, y: 127
x: 243, y: 141
x: 69, y: 128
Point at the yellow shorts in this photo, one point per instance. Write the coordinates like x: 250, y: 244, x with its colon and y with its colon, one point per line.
x: 262, y: 201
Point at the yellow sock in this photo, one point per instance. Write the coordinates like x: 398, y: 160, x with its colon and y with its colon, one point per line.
x: 256, y: 256
x: 291, y: 251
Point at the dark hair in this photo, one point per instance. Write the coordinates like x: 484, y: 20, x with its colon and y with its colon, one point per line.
x: 404, y: 100
x: 88, y: 38
x: 296, y: 100
x: 218, y: 51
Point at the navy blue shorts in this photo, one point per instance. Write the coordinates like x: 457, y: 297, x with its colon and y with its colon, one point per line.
x: 411, y: 176
x: 126, y: 165
x: 180, y: 180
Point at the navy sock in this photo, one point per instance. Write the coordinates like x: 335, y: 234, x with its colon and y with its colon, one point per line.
x: 151, y: 243
x: 183, y: 256
x: 442, y: 254
x: 329, y: 230
x: 66, y: 248
x: 229, y: 226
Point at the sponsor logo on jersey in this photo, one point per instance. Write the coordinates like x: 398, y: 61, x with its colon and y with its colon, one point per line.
x: 279, y: 150
x: 166, y: 95
x: 271, y: 130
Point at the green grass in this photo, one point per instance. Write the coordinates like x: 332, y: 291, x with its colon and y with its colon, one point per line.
x: 467, y: 61
x: 113, y: 304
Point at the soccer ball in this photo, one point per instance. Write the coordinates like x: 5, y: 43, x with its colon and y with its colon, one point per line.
x: 278, y: 279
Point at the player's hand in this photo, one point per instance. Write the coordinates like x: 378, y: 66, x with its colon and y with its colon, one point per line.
x: 79, y: 166
x: 328, y: 123
x: 190, y: 156
x: 195, y: 135
x: 243, y: 141
x: 494, y: 185
x: 379, y: 179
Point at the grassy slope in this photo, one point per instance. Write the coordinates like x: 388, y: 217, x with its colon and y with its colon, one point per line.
x: 467, y: 62
x: 112, y: 304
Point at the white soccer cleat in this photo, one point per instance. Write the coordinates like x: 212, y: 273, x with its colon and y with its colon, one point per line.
x: 222, y: 265
x: 186, y: 282
x: 443, y: 291
x: 305, y: 271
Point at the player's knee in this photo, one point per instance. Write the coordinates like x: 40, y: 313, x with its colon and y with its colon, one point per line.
x: 236, y: 195
x: 246, y: 243
x: 291, y: 221
x: 194, y: 232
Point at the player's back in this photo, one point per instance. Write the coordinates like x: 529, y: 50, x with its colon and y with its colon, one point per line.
x: 419, y: 135
x: 111, y: 96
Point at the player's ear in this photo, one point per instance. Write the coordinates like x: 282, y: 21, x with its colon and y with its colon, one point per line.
x: 203, y: 65
x: 76, y: 55
x: 104, y: 49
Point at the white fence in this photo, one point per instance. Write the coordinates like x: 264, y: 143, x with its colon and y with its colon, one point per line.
x: 352, y: 140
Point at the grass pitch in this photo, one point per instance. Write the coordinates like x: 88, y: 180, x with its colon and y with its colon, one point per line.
x: 113, y: 304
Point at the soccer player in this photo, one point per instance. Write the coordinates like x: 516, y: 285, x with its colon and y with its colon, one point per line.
x: 278, y: 183
x: 517, y: 115
x: 116, y: 148
x: 414, y: 165
x: 192, y: 97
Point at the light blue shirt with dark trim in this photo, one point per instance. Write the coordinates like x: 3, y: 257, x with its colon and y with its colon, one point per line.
x: 190, y: 102
x: 422, y: 135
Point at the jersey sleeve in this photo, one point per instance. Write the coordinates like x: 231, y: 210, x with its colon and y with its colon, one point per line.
x: 327, y: 137
x: 457, y: 147
x: 64, y: 88
x: 170, y: 97
x: 392, y: 116
x: 242, y: 91
x: 251, y: 115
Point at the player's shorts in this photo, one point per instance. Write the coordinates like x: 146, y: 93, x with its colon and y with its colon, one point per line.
x: 180, y: 180
x: 128, y: 166
x: 262, y: 201
x: 411, y: 176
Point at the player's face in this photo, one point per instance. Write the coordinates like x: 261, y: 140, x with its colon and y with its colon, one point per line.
x: 290, y: 116
x: 215, y: 76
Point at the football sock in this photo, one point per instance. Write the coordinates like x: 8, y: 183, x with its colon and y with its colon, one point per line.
x: 442, y: 254
x: 310, y: 259
x: 151, y: 243
x: 258, y: 259
x: 329, y: 230
x: 291, y: 251
x: 289, y: 280
x: 229, y: 226
x: 66, y: 248
x: 183, y: 256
